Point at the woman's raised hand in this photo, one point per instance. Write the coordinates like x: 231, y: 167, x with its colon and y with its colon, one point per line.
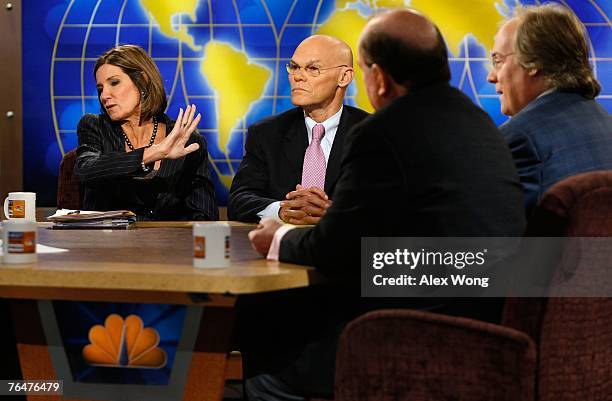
x: 173, y: 145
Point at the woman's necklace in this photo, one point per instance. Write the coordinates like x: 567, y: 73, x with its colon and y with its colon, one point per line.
x: 151, y: 141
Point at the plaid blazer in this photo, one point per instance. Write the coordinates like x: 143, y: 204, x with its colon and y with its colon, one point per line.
x: 556, y: 136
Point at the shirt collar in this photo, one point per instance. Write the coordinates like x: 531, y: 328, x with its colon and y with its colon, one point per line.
x: 331, y: 125
x: 546, y: 92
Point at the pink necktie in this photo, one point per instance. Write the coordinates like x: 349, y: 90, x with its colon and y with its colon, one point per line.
x: 313, y: 172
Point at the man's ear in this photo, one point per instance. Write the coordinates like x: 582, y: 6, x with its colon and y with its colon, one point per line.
x: 532, y: 72
x: 380, y: 79
x: 347, y: 77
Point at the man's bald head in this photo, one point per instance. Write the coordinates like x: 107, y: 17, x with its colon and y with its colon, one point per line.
x: 406, y: 45
x: 327, y: 48
x: 320, y: 71
x: 407, y: 25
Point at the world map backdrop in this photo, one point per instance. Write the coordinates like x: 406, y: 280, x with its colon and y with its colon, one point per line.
x: 228, y: 57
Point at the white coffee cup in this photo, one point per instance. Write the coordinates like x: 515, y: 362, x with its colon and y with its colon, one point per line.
x: 211, y: 245
x: 20, y: 205
x: 18, y: 241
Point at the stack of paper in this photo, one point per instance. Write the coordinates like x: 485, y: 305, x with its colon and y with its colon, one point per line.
x: 66, y: 218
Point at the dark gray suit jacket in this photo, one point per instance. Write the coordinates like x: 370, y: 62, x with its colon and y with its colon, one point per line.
x: 429, y: 164
x: 273, y: 161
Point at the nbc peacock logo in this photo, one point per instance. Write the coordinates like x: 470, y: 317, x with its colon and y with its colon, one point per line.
x: 125, y: 344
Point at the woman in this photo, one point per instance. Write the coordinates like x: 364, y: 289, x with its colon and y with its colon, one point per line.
x: 133, y: 156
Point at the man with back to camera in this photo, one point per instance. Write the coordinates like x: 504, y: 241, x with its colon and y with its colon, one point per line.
x: 541, y: 71
x: 285, y: 173
x: 427, y: 163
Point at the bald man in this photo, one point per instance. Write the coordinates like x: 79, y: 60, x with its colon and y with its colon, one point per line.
x: 284, y: 174
x: 428, y: 163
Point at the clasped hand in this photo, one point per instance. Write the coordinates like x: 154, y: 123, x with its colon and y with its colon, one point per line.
x: 173, y: 145
x: 304, y: 206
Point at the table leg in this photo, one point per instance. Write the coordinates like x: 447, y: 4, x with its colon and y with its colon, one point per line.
x: 34, y: 356
x: 206, y: 379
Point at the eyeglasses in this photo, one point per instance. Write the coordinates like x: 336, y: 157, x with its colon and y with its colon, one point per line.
x: 311, y: 70
x: 498, y: 59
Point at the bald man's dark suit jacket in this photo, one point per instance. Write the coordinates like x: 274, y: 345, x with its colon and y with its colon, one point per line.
x: 273, y: 161
x: 431, y: 163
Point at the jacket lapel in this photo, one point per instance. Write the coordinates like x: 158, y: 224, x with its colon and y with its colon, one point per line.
x: 335, y: 157
x: 295, y: 142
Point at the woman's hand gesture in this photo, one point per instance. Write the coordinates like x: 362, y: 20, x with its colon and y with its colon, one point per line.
x: 173, y: 145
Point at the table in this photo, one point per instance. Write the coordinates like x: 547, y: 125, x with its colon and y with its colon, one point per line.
x: 151, y: 264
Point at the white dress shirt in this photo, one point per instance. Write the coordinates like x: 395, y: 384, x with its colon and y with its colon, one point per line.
x: 331, y: 127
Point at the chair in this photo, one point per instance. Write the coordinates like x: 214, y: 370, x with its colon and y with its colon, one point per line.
x: 574, y: 335
x: 69, y: 191
x: 413, y: 355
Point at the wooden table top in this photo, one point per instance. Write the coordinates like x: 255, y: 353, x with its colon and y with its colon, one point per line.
x: 154, y: 257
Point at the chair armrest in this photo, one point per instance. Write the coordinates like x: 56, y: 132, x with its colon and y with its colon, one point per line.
x: 415, y: 355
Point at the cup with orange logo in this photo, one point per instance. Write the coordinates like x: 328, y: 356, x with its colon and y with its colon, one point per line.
x: 18, y: 241
x: 211, y: 245
x: 20, y: 205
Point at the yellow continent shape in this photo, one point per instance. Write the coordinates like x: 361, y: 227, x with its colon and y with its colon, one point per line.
x: 340, y: 4
x: 162, y: 11
x: 390, y: 3
x: 456, y: 19
x: 237, y: 82
x: 226, y: 179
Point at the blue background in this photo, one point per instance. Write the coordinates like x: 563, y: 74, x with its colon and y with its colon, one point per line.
x: 63, y: 87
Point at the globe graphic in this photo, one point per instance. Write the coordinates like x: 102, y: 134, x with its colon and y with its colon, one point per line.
x: 228, y: 56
